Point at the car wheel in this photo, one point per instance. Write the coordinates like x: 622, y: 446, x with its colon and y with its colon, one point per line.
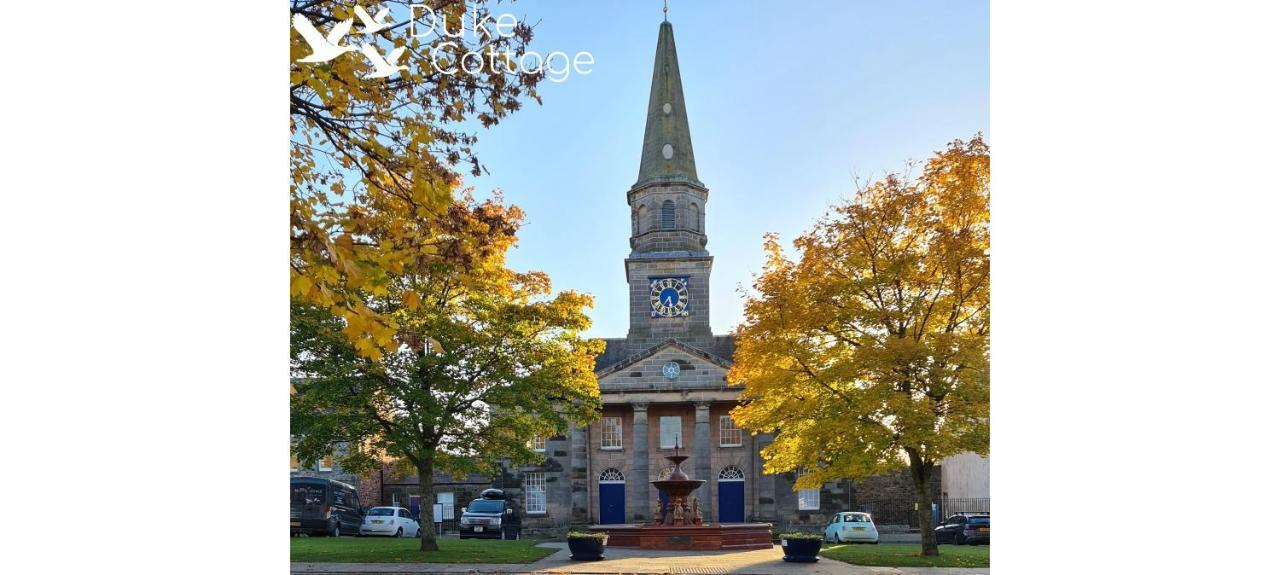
x: 337, y: 529
x: 418, y: 532
x: 399, y: 532
x: 959, y: 538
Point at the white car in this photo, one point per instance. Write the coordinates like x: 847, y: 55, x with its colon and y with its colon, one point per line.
x: 392, y: 521
x: 851, y: 527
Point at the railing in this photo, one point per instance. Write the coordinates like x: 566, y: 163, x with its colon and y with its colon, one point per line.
x: 952, y: 505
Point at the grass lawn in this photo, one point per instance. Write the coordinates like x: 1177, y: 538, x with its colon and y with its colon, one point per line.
x: 405, y: 550
x: 908, y: 555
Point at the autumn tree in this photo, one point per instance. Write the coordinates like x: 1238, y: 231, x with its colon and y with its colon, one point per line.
x: 485, y: 359
x: 868, y: 350
x: 374, y: 161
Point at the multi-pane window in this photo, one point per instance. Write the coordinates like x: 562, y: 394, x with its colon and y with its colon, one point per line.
x: 807, y: 499
x: 535, y: 492
x: 669, y: 432
x: 611, y: 433
x: 326, y: 464
x: 445, y: 499
x: 539, y: 444
x: 730, y: 433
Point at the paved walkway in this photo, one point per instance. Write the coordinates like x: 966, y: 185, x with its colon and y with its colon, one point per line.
x: 624, y: 561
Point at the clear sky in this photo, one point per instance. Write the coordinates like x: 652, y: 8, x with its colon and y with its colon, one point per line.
x: 785, y: 107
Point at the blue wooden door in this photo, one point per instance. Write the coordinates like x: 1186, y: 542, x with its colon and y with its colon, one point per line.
x: 732, y: 509
x: 613, y: 501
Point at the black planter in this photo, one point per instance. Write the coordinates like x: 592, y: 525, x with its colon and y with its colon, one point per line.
x: 586, y: 548
x: 801, y: 550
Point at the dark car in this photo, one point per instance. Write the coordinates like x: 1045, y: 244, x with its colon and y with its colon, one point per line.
x: 492, y: 516
x: 323, y: 507
x: 965, y: 528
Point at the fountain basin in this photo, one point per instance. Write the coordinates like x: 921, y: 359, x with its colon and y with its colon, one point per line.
x: 711, y: 536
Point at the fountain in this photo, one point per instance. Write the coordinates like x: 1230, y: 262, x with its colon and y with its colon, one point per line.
x: 677, y: 525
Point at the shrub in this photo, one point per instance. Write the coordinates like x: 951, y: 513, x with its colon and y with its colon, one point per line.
x: 800, y: 535
x: 586, y: 535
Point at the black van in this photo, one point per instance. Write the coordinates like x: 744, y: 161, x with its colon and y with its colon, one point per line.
x: 323, y: 506
x: 492, y: 516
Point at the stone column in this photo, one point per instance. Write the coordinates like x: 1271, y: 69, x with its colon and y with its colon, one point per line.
x: 766, y: 509
x: 579, y: 477
x: 702, y: 454
x: 638, y: 482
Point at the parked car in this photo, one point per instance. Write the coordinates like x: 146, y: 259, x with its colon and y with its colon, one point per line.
x: 965, y: 528
x: 851, y: 527
x: 391, y: 521
x: 491, y: 516
x: 323, y: 507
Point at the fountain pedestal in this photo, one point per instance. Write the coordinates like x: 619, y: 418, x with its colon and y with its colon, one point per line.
x: 677, y: 526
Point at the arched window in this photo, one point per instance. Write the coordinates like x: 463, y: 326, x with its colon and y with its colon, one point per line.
x: 696, y: 223
x: 731, y: 473
x: 668, y: 215
x: 642, y: 219
x: 612, y: 475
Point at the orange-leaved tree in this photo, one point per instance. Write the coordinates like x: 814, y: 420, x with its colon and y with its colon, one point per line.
x: 869, y: 350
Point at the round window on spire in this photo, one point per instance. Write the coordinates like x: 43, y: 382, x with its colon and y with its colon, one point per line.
x: 668, y: 151
x: 666, y: 108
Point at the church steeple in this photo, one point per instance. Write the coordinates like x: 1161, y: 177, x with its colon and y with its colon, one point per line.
x: 667, y: 155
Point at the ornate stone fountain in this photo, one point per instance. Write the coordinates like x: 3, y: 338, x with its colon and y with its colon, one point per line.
x: 678, y: 524
x: 677, y: 488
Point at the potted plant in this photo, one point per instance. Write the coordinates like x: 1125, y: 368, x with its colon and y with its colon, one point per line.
x: 585, y: 546
x: 801, y: 547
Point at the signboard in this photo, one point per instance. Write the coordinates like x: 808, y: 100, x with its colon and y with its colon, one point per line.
x: 437, y: 513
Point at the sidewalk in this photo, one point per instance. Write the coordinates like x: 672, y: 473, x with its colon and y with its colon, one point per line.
x: 623, y: 561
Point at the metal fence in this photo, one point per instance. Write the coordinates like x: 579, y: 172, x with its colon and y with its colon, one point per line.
x: 891, y: 512
x: 951, y: 505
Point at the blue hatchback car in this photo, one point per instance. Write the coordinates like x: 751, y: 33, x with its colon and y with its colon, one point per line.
x: 851, y: 527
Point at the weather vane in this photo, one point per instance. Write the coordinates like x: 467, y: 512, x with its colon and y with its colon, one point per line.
x: 664, y: 10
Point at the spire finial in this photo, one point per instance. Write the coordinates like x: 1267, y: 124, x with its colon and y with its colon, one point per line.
x: 664, y: 10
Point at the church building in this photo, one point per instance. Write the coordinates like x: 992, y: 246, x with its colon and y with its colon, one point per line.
x: 663, y: 386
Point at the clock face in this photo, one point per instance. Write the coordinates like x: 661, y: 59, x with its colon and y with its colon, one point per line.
x: 669, y: 297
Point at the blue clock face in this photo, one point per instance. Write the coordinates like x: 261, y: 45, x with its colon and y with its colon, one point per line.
x: 669, y: 297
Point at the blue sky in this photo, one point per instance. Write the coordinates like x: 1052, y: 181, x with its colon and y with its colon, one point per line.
x: 785, y: 106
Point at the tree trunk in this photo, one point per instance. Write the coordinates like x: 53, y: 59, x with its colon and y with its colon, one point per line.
x: 922, y: 477
x: 426, y: 498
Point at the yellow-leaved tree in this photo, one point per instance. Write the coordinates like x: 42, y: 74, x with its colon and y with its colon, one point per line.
x: 373, y: 160
x: 486, y: 358
x: 870, y: 351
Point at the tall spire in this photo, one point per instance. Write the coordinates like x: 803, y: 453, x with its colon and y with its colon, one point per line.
x: 667, y: 155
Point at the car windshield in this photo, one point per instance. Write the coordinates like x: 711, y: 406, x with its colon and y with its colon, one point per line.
x: 857, y: 518
x: 984, y: 520
x: 485, y: 506
x: 382, y: 512
x: 303, y: 494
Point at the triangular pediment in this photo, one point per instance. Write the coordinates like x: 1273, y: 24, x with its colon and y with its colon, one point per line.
x: 693, y: 355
